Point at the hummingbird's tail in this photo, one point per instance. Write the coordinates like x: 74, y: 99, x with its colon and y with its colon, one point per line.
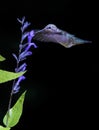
x: 81, y: 41
x: 76, y: 41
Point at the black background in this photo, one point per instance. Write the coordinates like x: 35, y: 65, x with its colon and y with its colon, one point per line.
x: 62, y: 83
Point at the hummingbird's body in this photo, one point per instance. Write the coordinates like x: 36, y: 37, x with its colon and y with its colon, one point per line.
x: 52, y: 34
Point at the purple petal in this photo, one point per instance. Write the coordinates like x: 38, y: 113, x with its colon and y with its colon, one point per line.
x: 24, y: 58
x: 21, y: 56
x: 24, y: 54
x: 28, y: 53
x: 30, y: 36
x: 35, y: 46
x: 21, y: 68
x: 19, y: 80
x: 29, y: 45
x: 24, y: 36
x: 16, y: 87
x: 16, y: 58
x: 25, y: 25
x: 32, y: 33
x: 21, y: 21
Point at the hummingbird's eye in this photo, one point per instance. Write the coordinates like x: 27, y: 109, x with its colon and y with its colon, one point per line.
x: 49, y: 27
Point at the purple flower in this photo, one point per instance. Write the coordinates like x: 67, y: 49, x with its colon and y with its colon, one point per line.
x: 24, y: 36
x: 25, y: 25
x: 30, y: 36
x: 24, y: 54
x: 21, y: 68
x: 17, y: 84
x: 24, y: 51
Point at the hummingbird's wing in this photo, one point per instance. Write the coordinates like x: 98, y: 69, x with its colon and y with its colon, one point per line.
x: 45, y: 36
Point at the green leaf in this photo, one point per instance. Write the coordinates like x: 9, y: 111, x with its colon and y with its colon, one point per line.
x: 2, y: 58
x: 15, y: 112
x: 7, y: 76
x: 4, y: 128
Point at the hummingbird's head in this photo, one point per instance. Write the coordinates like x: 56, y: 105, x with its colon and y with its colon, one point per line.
x: 52, y: 28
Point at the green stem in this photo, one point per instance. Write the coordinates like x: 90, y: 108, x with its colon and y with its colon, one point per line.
x: 9, y: 103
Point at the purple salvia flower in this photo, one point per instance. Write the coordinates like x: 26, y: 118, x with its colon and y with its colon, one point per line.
x: 25, y: 25
x: 35, y: 46
x: 23, y: 52
x: 24, y: 36
x: 29, y: 45
x: 21, y: 21
x: 21, y: 68
x: 30, y: 36
x: 24, y: 46
x: 19, y: 80
x: 16, y: 58
x: 16, y: 90
x: 16, y: 86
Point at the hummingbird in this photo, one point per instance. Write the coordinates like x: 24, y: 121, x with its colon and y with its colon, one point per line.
x: 51, y: 33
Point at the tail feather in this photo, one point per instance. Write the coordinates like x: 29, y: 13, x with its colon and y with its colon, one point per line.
x: 81, y: 41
